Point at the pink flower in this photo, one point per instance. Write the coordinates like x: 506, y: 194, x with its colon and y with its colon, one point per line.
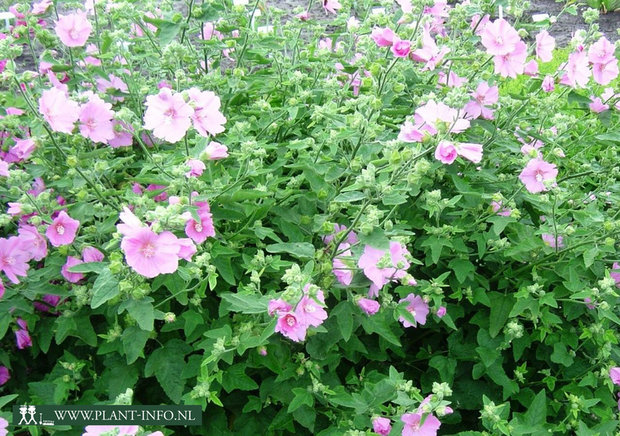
x: 96, y: 120
x: 63, y: 229
x: 381, y: 426
x: 123, y: 430
x: 14, y: 208
x: 13, y: 259
x: 446, y: 152
x: 68, y: 275
x: 338, y: 229
x: 289, y: 325
x: 110, y: 86
x: 614, y: 375
x: 545, y: 44
x: 413, y: 426
x: 512, y: 63
x: 150, y: 254
x: 499, y: 209
x: 73, y: 29
x: 32, y: 242
x: 91, y: 254
x: 615, y: 273
x: 469, y: 151
x: 601, y: 52
x: 418, y: 309
x: 278, y: 307
x: 167, y: 115
x: 381, y: 267
x: 340, y: 267
x: 196, y: 167
x: 309, y: 311
x: 216, y: 151
x: 550, y: 240
x: 187, y: 250
x: 499, y: 37
x: 548, y: 83
x: 401, y: 48
x: 331, y: 6
x: 452, y: 80
x: 410, y: 133
x: 38, y: 186
x: 531, y: 68
x: 608, y: 94
x: 603, y: 74
x: 597, y: 105
x: 383, y: 37
x: 200, y: 231
x: 2, y: 289
x: 577, y: 73
x: 59, y: 111
x: 441, y: 312
x: 5, y: 376
x: 162, y: 196
x: 123, y: 134
x: 478, y: 24
x: 370, y: 307
x: 48, y: 302
x: 21, y: 151
x: 22, y: 338
x: 40, y: 7
x: 429, y: 52
x: 4, y: 168
x: 207, y: 118
x: 536, y: 173
x: 484, y: 95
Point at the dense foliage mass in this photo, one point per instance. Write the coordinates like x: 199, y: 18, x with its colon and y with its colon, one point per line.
x: 360, y: 218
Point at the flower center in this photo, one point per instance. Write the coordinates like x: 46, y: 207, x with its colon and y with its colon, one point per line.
x: 309, y: 308
x: 60, y: 229
x: 148, y: 250
x: 291, y: 321
x: 198, y: 227
x: 9, y: 260
x: 499, y: 40
x: 539, y: 177
x: 74, y: 34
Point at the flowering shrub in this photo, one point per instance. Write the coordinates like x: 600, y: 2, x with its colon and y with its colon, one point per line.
x: 352, y: 219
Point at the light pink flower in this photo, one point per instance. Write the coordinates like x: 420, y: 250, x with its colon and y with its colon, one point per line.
x: 484, y: 96
x: 338, y: 229
x: 597, y: 105
x: 413, y: 426
x: 548, y: 83
x: 446, y: 152
x: 91, y: 254
x: 601, y: 52
x: 14, y: 208
x: 5, y: 376
x: 68, y: 275
x: 331, y: 6
x: 401, y: 48
x: 531, y: 68
x: 2, y: 288
x: 63, y: 229
x: 614, y: 375
x: 216, y: 151
x: 410, y: 132
x: 499, y: 37
x: 469, y: 151
x: 167, y: 115
x: 123, y: 134
x: 207, y: 118
x: 13, y: 258
x: 187, y: 250
x: 451, y: 80
x: 615, y: 273
x: 73, y: 29
x: 441, y: 312
x: 383, y: 37
x: 33, y: 242
x: 536, y: 173
x: 162, y: 196
x: 369, y: 306
x: 200, y: 231
x: 59, y: 111
x: 418, y: 309
x: 4, y: 168
x: 309, y: 311
x: 96, y: 120
x: 429, y: 52
x: 478, y: 23
x: 122, y: 430
x: 21, y: 151
x: 341, y: 265
x: 603, y: 74
x: 289, y: 325
x: 278, y: 307
x: 196, y: 167
x: 577, y: 73
x: 512, y: 63
x: 396, y: 265
x: 608, y: 94
x: 40, y: 7
x: 151, y: 254
x: 499, y: 209
x: 545, y: 43
x: 381, y: 426
x: 550, y: 240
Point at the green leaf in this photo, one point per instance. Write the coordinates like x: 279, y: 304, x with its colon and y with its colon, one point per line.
x: 96, y: 267
x: 167, y: 364
x: 105, y: 288
x: 134, y: 339
x: 382, y: 325
x: 140, y: 310
x: 560, y: 355
x: 349, y: 197
x: 235, y: 378
x: 445, y: 366
x: 244, y: 303
x: 610, y: 136
x: 501, y: 305
x: 462, y: 269
x: 296, y: 249
x: 6, y: 399
x: 302, y: 396
x: 537, y: 410
x: 344, y: 314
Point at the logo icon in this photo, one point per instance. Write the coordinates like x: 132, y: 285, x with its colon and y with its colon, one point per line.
x: 27, y: 410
